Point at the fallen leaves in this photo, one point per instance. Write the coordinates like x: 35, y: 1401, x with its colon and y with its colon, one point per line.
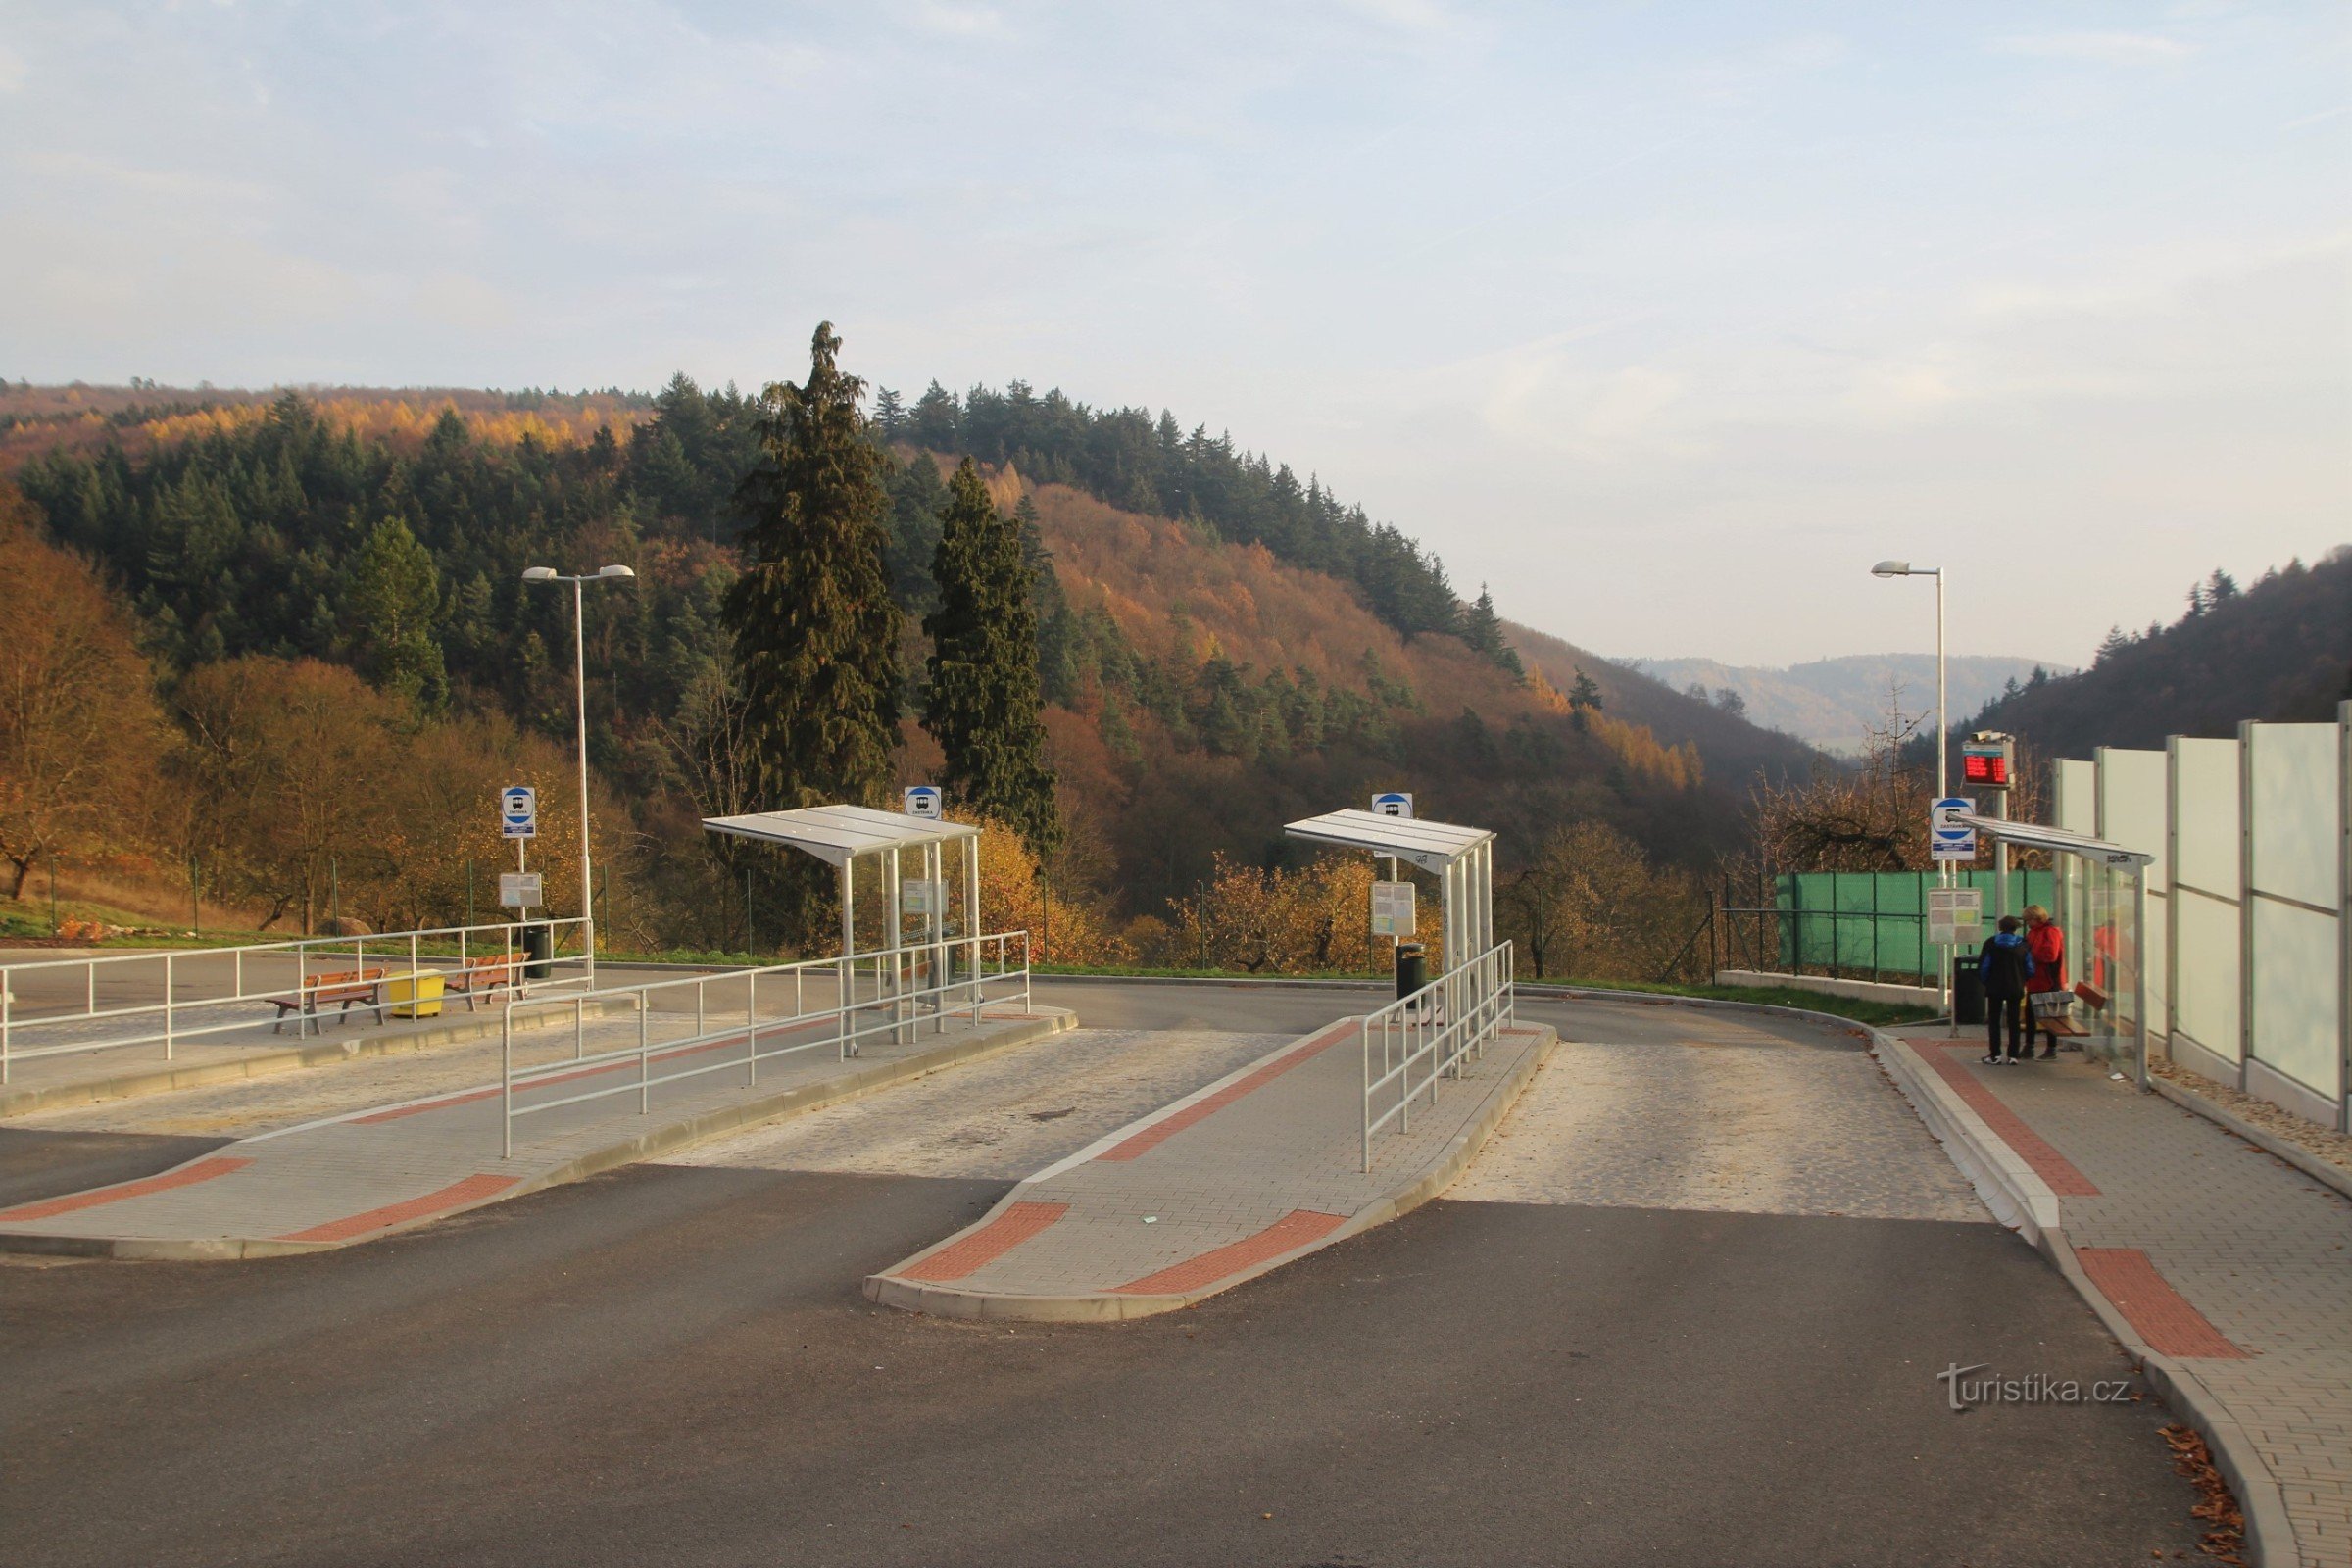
x: 2225, y: 1542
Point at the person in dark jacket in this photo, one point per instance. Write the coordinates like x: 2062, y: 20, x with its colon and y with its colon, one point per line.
x: 2005, y: 963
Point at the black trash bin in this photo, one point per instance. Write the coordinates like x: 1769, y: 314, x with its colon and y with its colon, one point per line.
x: 538, y: 943
x: 1413, y: 967
x: 1968, y: 989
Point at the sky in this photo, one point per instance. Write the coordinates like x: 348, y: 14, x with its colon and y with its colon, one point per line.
x: 1664, y: 321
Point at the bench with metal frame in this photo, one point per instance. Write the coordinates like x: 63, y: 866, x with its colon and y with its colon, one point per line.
x: 351, y: 988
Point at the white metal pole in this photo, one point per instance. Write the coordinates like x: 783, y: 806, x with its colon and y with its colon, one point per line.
x: 1944, y: 790
x: 579, y: 674
x: 2139, y: 962
x: 971, y: 915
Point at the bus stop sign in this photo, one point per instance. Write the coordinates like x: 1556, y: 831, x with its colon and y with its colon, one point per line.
x: 518, y: 812
x: 1948, y: 839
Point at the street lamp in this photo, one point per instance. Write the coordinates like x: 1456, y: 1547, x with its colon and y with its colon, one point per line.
x: 579, y: 672
x: 1944, y: 728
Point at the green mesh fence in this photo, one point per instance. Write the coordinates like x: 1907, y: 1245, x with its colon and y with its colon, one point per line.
x: 1874, y: 922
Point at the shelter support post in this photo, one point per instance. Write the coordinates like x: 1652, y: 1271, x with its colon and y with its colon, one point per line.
x: 971, y: 918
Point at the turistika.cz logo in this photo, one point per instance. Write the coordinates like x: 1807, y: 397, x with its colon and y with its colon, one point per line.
x: 1963, y: 1392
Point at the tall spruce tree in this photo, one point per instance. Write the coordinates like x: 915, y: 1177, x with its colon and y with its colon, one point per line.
x: 982, y: 703
x: 1482, y: 629
x: 815, y: 629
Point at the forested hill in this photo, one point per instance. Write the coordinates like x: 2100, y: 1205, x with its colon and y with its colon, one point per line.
x: 2279, y: 649
x: 1222, y: 648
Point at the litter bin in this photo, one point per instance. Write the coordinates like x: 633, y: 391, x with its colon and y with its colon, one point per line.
x: 415, y: 994
x: 537, y: 944
x: 1968, y: 993
x: 1412, y: 969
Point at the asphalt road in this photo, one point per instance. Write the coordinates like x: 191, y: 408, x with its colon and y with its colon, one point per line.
x: 674, y: 1365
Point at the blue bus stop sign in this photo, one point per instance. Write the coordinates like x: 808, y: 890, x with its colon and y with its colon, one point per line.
x: 518, y: 812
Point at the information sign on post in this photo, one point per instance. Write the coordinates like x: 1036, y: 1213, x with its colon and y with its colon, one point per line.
x: 518, y: 890
x: 1392, y: 909
x: 1955, y: 916
x: 924, y: 800
x: 1392, y: 802
x: 518, y: 812
x: 1949, y: 838
x: 918, y: 896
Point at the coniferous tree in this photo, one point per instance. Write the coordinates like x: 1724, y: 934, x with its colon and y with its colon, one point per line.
x: 1482, y: 629
x: 393, y: 597
x: 815, y: 629
x: 982, y: 703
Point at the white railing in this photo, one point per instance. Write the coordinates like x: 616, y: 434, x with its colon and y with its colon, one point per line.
x: 868, y: 994
x: 63, y: 1006
x: 1424, y: 1036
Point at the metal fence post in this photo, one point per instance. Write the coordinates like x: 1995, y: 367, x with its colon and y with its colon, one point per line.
x: 750, y: 1028
x: 645, y: 1088
x: 167, y: 1006
x: 506, y: 1081
x: 579, y: 1028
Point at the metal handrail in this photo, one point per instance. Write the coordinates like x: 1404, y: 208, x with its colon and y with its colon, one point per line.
x: 167, y: 1022
x: 1434, y: 1029
x: 895, y: 993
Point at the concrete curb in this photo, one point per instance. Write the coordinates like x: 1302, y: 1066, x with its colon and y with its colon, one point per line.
x: 1664, y: 998
x: 270, y: 1064
x: 2268, y: 1142
x: 1103, y: 1306
x: 2021, y: 1200
x: 666, y: 1138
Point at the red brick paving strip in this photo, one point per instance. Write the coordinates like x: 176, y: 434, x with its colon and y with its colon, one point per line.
x: 1294, y: 1229
x: 2164, y: 1317
x: 1160, y: 1132
x: 204, y: 1170
x: 454, y: 1196
x: 2049, y: 1164
x: 986, y: 1245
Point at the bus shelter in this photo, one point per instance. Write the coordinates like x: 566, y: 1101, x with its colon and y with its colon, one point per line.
x: 842, y: 835
x: 2103, y: 860
x: 1462, y: 859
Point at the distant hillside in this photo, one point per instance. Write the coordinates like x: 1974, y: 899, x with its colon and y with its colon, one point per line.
x: 1834, y: 702
x: 2280, y: 650
x: 1222, y: 648
x: 1736, y: 747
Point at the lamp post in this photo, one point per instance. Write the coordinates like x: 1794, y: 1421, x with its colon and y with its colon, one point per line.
x: 1943, y: 730
x: 579, y: 674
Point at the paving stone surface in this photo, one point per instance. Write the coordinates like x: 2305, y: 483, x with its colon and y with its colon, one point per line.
x: 1002, y: 1118
x: 1731, y: 1117
x: 2260, y: 1251
x: 1214, y: 1185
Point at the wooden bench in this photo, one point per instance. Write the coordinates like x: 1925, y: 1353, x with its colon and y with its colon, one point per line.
x: 351, y: 988
x: 480, y: 975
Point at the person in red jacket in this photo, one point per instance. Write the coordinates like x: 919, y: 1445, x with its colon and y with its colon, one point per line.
x: 2047, y: 943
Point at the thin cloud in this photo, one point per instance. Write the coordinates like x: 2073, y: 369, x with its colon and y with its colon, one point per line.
x: 2104, y: 48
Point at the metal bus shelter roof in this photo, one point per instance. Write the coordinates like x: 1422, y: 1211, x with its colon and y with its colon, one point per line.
x: 836, y: 833
x: 1431, y: 846
x: 2056, y: 840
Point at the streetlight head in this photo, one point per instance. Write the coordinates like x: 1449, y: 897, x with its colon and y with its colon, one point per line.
x: 539, y: 574
x: 618, y: 574
x: 1891, y: 569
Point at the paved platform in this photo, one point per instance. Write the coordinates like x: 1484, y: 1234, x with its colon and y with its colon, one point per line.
x: 244, y: 1042
x: 2229, y: 1271
x: 364, y: 1174
x: 1245, y: 1175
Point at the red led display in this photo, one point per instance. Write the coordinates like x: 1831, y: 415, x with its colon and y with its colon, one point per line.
x: 1989, y: 769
